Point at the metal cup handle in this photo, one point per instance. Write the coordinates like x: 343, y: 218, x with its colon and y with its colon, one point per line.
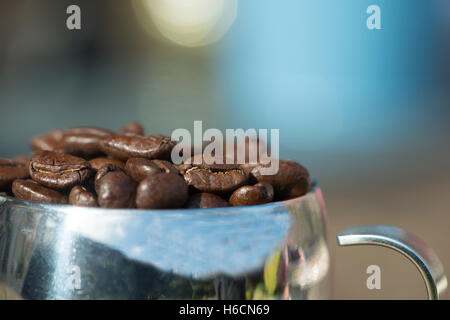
x: 411, y: 246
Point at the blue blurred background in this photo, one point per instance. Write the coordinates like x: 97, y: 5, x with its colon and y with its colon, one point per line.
x: 367, y: 111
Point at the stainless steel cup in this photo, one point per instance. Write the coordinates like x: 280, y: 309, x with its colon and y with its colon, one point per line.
x: 278, y: 250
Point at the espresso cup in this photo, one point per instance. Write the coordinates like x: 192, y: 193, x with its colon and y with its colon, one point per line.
x: 274, y: 251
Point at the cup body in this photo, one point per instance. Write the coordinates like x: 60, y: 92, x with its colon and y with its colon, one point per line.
x: 272, y: 251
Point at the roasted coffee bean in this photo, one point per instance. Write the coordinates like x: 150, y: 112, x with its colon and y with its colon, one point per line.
x: 49, y: 142
x: 85, y: 146
x: 84, y: 141
x: 80, y: 196
x: 162, y: 191
x: 97, y: 163
x: 10, y: 171
x: 292, y: 179
x: 58, y: 170
x: 132, y: 128
x: 114, y: 188
x: 206, y: 175
x: 220, y: 182
x: 205, y: 200
x: 251, y: 195
x: 140, y: 168
x: 32, y: 191
x: 132, y: 146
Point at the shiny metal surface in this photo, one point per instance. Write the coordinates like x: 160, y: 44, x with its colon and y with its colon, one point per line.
x: 407, y: 244
x: 277, y: 251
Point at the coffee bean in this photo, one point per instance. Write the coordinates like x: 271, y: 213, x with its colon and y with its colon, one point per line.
x: 114, y: 188
x: 132, y: 146
x: 49, y: 142
x: 85, y: 146
x: 292, y: 179
x: 205, y: 200
x: 32, y: 191
x: 84, y: 141
x: 140, y: 168
x: 79, y: 196
x: 220, y: 182
x: 251, y: 195
x: 162, y: 191
x: 58, y: 170
x: 206, y: 175
x: 10, y: 171
x: 97, y: 163
x: 132, y: 128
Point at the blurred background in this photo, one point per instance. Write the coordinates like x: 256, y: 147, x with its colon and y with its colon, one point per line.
x: 366, y: 111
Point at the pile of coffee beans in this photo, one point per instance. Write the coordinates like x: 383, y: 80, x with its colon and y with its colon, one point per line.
x: 94, y: 167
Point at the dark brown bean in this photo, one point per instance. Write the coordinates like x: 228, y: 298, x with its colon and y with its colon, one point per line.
x: 251, y: 195
x: 10, y: 171
x: 97, y: 163
x: 162, y: 191
x: 220, y: 182
x: 132, y: 146
x: 84, y: 141
x: 49, y: 142
x: 132, y: 128
x: 85, y: 146
x: 292, y: 179
x: 114, y: 188
x: 205, y: 200
x: 58, y: 170
x: 79, y: 196
x: 32, y: 191
x: 140, y: 168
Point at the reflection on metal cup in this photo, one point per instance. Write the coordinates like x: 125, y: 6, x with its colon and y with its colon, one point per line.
x: 277, y: 250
